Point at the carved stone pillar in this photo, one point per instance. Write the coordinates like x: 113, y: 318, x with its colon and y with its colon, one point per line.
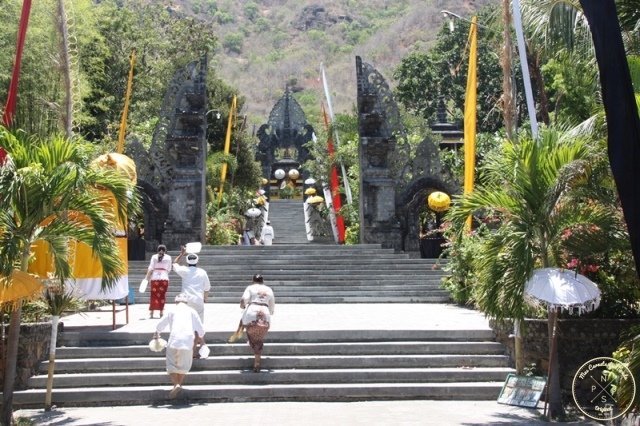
x: 378, y: 222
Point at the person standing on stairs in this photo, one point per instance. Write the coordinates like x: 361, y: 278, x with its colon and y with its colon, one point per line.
x: 267, y: 235
x: 195, y: 281
x: 158, y: 273
x: 185, y: 331
x: 258, y: 303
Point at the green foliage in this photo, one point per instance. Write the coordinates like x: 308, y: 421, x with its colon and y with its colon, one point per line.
x: 628, y: 353
x: 262, y: 25
x: 634, y: 68
x: 571, y: 82
x: 233, y: 42
x: 53, y: 303
x: 442, y: 72
x: 49, y: 179
x: 223, y: 17
x: 547, y: 201
x: 104, y: 36
x: 287, y: 192
x: 223, y: 226
x: 251, y: 11
x: 460, y: 250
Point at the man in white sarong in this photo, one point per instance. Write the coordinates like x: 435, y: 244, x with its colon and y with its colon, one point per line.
x: 267, y: 235
x: 185, y: 330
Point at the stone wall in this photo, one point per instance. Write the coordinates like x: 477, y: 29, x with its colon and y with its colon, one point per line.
x: 579, y: 340
x: 33, y: 348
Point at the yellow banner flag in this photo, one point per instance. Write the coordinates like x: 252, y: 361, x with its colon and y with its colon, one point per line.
x: 125, y: 110
x: 470, y: 113
x: 227, y: 147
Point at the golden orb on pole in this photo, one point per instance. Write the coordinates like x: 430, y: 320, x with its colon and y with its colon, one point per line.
x: 438, y: 201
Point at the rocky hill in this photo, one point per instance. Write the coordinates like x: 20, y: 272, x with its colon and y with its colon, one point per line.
x: 267, y: 44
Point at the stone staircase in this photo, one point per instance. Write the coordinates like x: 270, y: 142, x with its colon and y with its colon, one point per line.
x: 98, y: 367
x: 119, y: 369
x: 313, y: 273
x: 287, y: 219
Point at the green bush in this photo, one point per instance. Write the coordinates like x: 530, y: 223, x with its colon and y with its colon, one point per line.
x: 460, y: 252
x: 233, y: 42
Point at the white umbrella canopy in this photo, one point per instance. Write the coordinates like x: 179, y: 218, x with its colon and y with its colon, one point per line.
x: 562, y: 288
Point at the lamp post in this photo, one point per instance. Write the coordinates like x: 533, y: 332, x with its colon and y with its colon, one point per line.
x: 217, y: 111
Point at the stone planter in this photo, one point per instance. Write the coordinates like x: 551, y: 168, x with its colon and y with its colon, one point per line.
x: 33, y: 347
x: 579, y: 340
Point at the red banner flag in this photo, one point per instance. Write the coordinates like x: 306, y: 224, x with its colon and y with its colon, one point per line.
x: 10, y: 107
x: 334, y: 184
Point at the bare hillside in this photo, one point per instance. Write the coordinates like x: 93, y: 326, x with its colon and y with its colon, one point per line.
x: 265, y: 44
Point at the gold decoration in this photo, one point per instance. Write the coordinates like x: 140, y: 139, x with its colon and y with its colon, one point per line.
x: 20, y: 286
x: 438, y: 201
x: 316, y: 199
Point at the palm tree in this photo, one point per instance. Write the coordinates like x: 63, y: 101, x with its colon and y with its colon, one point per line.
x: 49, y: 193
x: 539, y: 191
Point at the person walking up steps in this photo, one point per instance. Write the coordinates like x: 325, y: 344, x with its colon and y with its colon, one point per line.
x: 185, y: 331
x: 267, y: 235
x: 195, y: 281
x: 258, y: 303
x: 158, y: 273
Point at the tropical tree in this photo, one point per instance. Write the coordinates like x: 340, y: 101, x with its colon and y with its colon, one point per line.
x: 547, y: 200
x: 426, y: 77
x: 49, y: 193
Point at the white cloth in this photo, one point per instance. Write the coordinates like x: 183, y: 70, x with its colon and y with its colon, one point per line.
x: 183, y: 321
x: 91, y: 288
x: 179, y: 361
x: 195, y: 282
x: 258, y: 298
x: 160, y: 268
x: 267, y: 235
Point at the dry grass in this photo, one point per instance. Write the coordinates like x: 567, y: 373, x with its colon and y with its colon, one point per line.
x: 274, y: 51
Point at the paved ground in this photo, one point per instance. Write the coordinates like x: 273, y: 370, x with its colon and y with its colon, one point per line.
x: 295, y: 414
x: 295, y: 317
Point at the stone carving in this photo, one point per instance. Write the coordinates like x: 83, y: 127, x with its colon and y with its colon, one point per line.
x: 284, y: 136
x: 394, y: 178
x: 171, y: 173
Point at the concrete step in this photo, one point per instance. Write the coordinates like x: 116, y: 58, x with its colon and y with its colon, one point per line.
x: 278, y: 376
x: 297, y: 362
x: 86, y: 337
x: 427, y: 298
x: 260, y: 391
x: 302, y: 349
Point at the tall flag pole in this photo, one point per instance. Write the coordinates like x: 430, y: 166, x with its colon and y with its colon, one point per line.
x: 524, y: 66
x: 345, y: 181
x: 10, y: 107
x: 125, y: 110
x: 227, y: 147
x: 623, y: 124
x: 470, y: 113
x: 333, y: 182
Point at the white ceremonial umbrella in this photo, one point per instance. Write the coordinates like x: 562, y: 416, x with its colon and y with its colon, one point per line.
x: 559, y: 288
x: 562, y: 288
x: 253, y: 212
